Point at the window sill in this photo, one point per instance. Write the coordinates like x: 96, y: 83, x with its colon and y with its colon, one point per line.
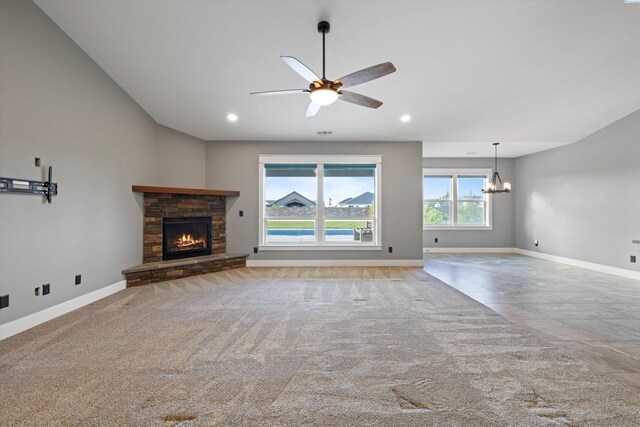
x: 450, y: 228
x: 320, y: 247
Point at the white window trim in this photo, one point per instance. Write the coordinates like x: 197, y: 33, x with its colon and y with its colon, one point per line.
x: 455, y: 172
x: 320, y: 160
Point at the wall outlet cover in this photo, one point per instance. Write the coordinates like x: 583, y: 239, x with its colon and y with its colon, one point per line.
x: 241, y: 213
x: 390, y: 249
x: 4, y: 301
x: 255, y: 250
x: 78, y: 279
x: 435, y: 240
x: 632, y: 258
x: 36, y: 291
x: 46, y: 289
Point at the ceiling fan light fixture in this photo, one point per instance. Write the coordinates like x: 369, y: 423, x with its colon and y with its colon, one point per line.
x: 324, y: 96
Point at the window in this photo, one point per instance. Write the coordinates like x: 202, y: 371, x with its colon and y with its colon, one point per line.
x: 453, y: 199
x: 320, y: 202
x: 290, y: 202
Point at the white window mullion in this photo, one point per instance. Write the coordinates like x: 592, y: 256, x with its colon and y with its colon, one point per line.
x: 377, y: 214
x: 320, y: 205
x: 454, y: 201
x: 262, y: 226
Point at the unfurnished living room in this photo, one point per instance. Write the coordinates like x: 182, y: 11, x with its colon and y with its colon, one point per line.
x: 319, y: 213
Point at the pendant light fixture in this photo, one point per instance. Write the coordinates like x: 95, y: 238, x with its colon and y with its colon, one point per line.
x: 495, y: 183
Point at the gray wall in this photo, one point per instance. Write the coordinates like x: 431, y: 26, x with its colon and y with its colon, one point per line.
x: 180, y: 159
x: 57, y: 104
x: 502, y: 235
x: 233, y: 165
x: 582, y: 200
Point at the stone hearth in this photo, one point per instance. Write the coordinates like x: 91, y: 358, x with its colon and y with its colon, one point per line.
x: 154, y: 272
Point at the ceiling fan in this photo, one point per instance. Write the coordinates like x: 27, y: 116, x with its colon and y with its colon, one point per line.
x: 323, y: 91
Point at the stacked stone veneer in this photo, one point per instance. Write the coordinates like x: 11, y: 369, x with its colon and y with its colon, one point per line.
x: 158, y: 206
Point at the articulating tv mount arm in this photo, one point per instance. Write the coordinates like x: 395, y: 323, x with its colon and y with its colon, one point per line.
x: 47, y: 188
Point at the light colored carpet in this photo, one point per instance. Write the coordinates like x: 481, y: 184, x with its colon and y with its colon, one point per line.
x: 291, y: 347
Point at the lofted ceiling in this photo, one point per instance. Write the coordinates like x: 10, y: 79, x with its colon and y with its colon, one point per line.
x: 530, y: 74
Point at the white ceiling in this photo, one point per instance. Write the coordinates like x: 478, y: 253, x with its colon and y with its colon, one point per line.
x: 531, y: 74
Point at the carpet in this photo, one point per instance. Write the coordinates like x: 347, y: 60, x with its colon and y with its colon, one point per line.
x: 297, y: 347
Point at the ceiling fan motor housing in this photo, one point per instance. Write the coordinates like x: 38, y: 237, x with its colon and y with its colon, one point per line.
x: 325, y: 84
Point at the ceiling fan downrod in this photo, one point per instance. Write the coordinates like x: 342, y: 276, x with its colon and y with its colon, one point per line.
x: 323, y: 28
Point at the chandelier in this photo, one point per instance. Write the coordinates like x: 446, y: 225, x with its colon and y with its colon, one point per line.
x: 495, y: 183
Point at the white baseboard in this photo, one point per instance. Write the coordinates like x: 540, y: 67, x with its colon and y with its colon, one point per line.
x: 468, y: 250
x: 583, y: 264
x: 335, y: 263
x: 27, y: 322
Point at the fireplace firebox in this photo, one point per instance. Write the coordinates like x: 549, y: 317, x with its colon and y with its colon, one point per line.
x: 186, y: 237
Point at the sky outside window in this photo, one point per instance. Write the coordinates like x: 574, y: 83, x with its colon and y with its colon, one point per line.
x: 436, y: 187
x: 336, y: 188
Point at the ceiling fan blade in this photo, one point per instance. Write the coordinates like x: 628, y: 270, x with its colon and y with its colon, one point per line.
x: 356, y: 98
x: 367, y: 74
x: 280, y: 92
x: 301, y: 69
x: 313, y: 109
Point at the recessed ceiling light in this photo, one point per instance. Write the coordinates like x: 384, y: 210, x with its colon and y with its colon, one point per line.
x: 405, y: 118
x: 232, y: 117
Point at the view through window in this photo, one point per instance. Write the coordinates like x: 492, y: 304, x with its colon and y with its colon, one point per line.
x: 455, y: 199
x: 347, y: 214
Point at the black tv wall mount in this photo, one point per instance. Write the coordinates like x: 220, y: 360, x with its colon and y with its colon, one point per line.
x: 47, y: 188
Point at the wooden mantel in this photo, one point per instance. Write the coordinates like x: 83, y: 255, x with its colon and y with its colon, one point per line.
x: 174, y: 190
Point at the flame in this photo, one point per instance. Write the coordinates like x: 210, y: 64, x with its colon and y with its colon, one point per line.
x: 187, y: 240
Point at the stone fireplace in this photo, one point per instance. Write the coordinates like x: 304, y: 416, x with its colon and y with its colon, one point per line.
x: 161, y: 209
x: 184, y: 234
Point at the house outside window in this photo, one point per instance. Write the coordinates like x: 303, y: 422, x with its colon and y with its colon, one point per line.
x: 453, y: 199
x: 319, y: 202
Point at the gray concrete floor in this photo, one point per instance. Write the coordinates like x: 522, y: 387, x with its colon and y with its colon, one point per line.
x: 595, y: 315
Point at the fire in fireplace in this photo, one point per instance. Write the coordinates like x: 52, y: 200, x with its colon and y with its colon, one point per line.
x: 186, y: 237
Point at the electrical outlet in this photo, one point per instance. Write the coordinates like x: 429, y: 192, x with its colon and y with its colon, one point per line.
x: 37, y: 162
x: 241, y: 213
x: 4, y: 301
x: 255, y: 250
x: 435, y: 240
x: 46, y: 289
x: 390, y: 249
x: 535, y: 243
x: 36, y: 291
x: 78, y: 279
x: 632, y: 258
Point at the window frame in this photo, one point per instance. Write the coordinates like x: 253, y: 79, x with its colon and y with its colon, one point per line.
x: 454, y: 173
x: 320, y: 161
